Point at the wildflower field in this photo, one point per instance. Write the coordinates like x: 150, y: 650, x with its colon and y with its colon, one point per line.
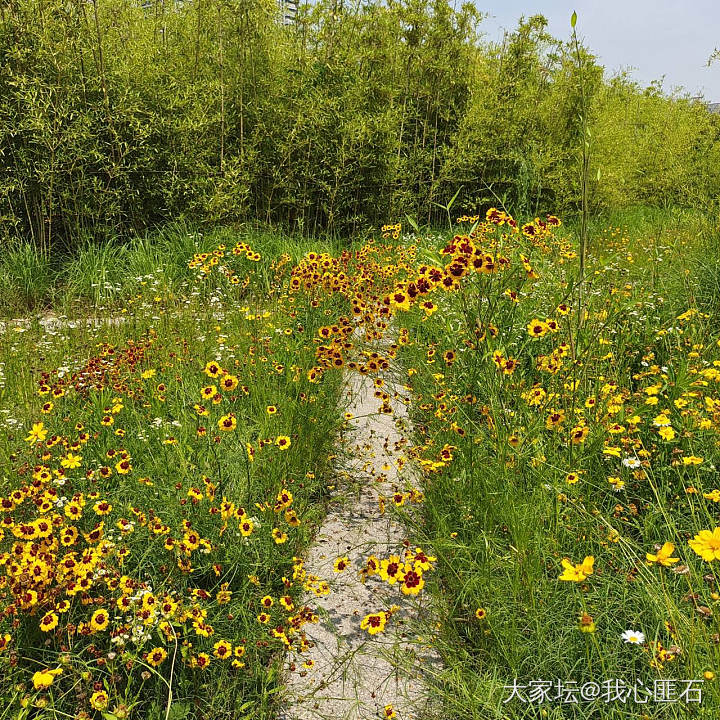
x: 167, y: 458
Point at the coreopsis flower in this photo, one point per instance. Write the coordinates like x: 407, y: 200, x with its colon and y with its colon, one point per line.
x: 100, y: 620
x: 156, y: 656
x: 279, y: 536
x: 578, y: 434
x: 707, y: 544
x: 213, y: 369
x: 202, y: 660
x: 43, y: 679
x: 586, y: 623
x: 71, y: 461
x: 412, y: 580
x: 663, y: 556
x: 123, y: 466
x: 577, y: 573
x: 667, y: 433
x: 37, y: 433
x: 342, y: 563
x: 227, y: 423
x: 287, y: 602
x: 99, y: 700
x: 391, y: 569
x: 229, y: 383
x: 49, y: 622
x: 284, y: 499
x: 222, y: 649
x: 374, y: 623
x: 283, y: 442
x: 537, y: 328
x: 103, y: 507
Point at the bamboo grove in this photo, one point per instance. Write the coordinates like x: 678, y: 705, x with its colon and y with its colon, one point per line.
x: 117, y: 116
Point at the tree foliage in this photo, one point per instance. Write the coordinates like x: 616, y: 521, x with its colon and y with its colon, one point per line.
x: 117, y: 116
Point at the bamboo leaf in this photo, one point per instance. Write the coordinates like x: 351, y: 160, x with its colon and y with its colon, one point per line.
x: 413, y: 223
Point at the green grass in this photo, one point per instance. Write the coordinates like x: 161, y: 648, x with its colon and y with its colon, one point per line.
x: 103, y: 276
x: 26, y: 275
x: 500, y: 515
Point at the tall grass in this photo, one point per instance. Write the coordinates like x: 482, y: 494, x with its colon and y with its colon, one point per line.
x: 26, y: 275
x: 103, y: 275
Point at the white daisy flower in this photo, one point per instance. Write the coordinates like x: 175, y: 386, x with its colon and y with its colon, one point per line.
x: 633, y: 636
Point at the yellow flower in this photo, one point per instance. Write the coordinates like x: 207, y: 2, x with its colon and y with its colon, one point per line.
x: 537, y: 328
x: 279, y: 536
x: 707, y: 544
x: 227, y: 423
x: 99, y: 700
x: 341, y: 564
x: 49, y: 622
x: 412, y: 580
x: 283, y: 442
x: 71, y: 461
x: 374, y: 623
x: 37, y: 434
x: 586, y: 623
x: 123, y: 466
x: 666, y: 433
x: 222, y: 649
x: 99, y: 620
x: 43, y: 679
x: 103, y: 507
x: 577, y: 573
x: 578, y: 434
x: 213, y: 369
x: 692, y: 460
x: 156, y: 656
x: 229, y: 383
x: 663, y: 556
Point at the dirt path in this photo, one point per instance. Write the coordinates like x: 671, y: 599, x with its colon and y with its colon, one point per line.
x: 354, y: 675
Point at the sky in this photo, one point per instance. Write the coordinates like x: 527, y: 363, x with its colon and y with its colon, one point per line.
x: 651, y: 38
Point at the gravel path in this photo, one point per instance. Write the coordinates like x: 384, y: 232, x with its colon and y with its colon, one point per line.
x: 355, y: 675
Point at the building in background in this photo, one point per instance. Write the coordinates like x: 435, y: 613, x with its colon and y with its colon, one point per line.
x: 288, y: 11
